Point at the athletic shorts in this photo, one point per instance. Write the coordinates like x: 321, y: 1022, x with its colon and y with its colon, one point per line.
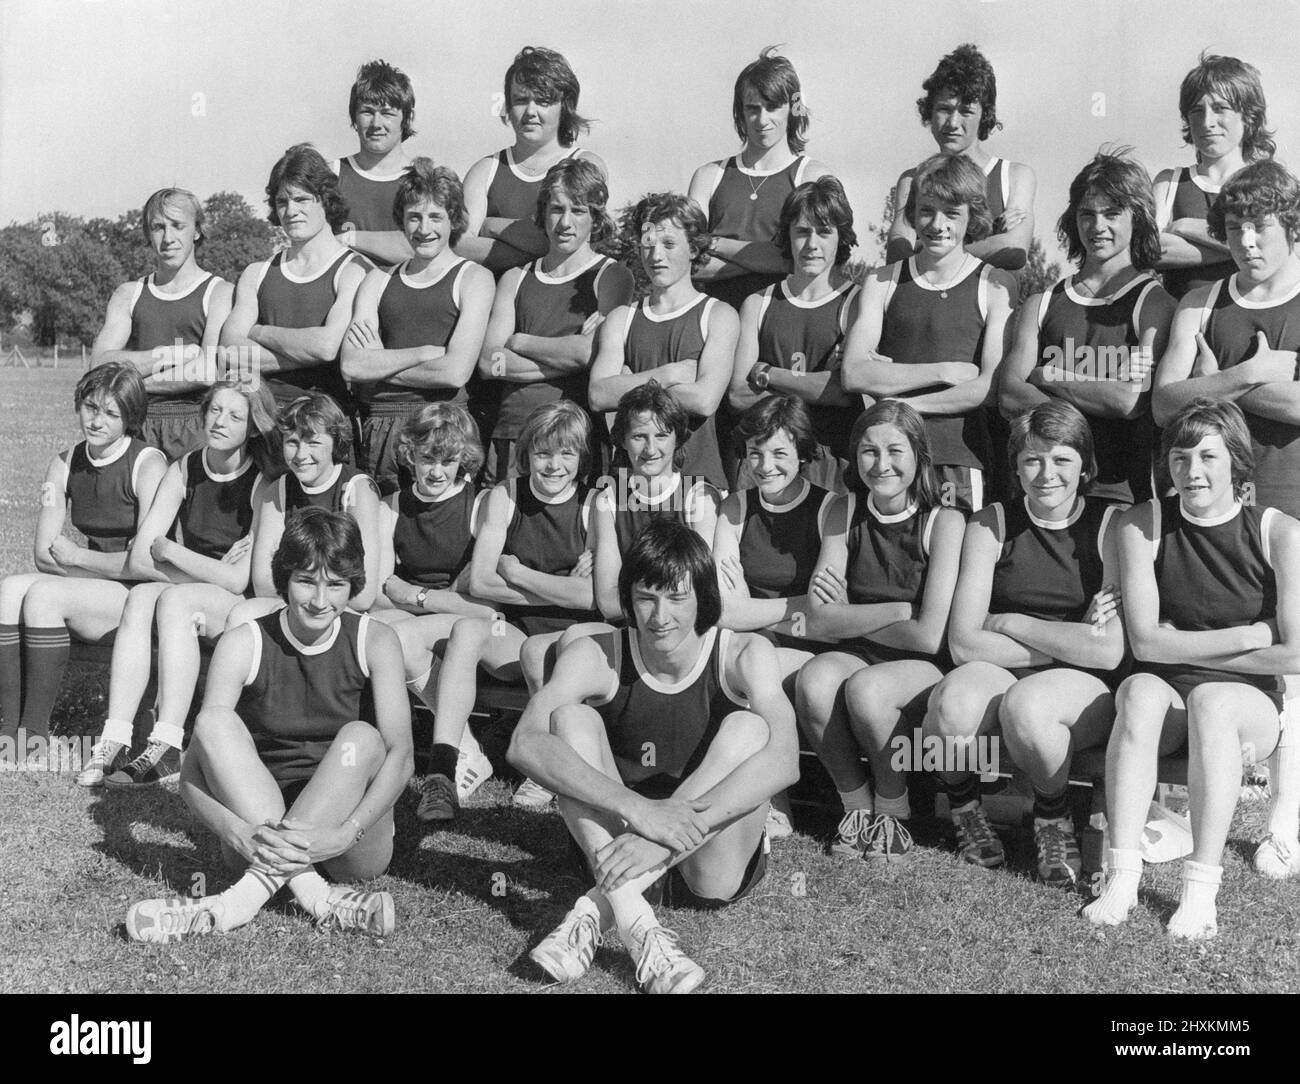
x: 377, y: 446
x: 174, y: 426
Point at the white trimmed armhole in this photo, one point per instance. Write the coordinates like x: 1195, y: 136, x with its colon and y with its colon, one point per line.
x: 391, y: 500
x: 982, y: 292
x: 1165, y: 214
x: 798, y: 173
x: 822, y: 513
x: 849, y: 297
x: 595, y: 283
x: 928, y: 530
x: 255, y: 663
x: 282, y: 492
x: 848, y: 514
x: 1004, y: 179
x: 1000, y: 527
x: 66, y: 464
x: 1043, y: 305
x: 363, y: 627
x: 349, y: 498
x: 455, y: 284
x: 766, y: 300
x: 893, y: 285
x: 207, y: 295
x: 494, y: 163
x: 253, y: 490
x: 717, y: 180
x: 1111, y: 511
x: 135, y: 294
x: 705, y: 309
x: 343, y: 262
x: 1155, y: 529
x: 627, y: 325
x: 261, y: 275
x: 1208, y: 308
x: 1137, y: 308
x: 743, y: 502
x: 528, y: 269
x: 336, y: 167
x: 616, y: 664
x: 474, y: 511
x: 587, y: 502
x: 724, y: 649
x: 139, y: 462
x: 1266, y: 519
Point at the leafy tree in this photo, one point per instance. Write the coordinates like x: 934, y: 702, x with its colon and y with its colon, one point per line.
x: 1037, y: 275
x: 235, y: 235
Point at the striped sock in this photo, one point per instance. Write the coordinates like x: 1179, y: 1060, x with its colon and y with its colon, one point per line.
x: 239, y: 903
x: 11, y: 679
x: 312, y: 892
x: 45, y: 657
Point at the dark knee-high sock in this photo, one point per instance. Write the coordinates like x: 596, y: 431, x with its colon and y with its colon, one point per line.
x: 443, y: 760
x: 45, y: 657
x: 11, y: 679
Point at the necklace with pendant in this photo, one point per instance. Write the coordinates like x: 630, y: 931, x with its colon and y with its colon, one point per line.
x: 943, y: 287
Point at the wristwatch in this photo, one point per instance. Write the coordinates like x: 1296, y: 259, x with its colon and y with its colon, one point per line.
x: 420, y: 597
x: 360, y: 831
x: 758, y: 376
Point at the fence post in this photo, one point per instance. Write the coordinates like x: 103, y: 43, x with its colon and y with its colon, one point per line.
x: 56, y: 354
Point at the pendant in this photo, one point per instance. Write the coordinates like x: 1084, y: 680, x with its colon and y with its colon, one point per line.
x: 753, y: 195
x: 943, y: 294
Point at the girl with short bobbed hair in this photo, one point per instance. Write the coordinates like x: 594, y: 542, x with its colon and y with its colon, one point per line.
x: 1211, y: 588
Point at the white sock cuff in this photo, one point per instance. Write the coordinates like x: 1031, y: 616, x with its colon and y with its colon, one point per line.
x: 118, y: 730
x: 1126, y: 860
x: 859, y: 798
x: 900, y: 807
x: 172, y: 734
x: 1202, y: 873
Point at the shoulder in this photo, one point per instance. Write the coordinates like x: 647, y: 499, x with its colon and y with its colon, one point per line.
x: 612, y: 271
x: 1167, y: 177
x: 947, y: 521
x: 708, y: 173
x: 252, y: 274
x: 477, y: 277
x: 1199, y: 298
x: 991, y: 518
x: 722, y: 318
x: 1020, y: 174
x: 481, y: 170
x: 1139, y: 517
x: 1003, y: 281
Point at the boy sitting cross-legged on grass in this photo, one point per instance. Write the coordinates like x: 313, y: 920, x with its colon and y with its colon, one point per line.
x: 664, y: 742
x: 301, y: 750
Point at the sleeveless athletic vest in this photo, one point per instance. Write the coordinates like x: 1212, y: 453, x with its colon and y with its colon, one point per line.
x: 159, y: 319
x: 217, y: 509
x: 332, y: 495
x: 103, y: 503
x: 549, y: 538
x: 417, y: 314
x: 433, y: 541
x: 779, y: 545
x: 1191, y: 196
x: 634, y: 511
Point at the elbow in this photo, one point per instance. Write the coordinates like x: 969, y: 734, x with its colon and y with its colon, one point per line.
x: 961, y: 649
x: 852, y: 379
x: 519, y: 754
x: 487, y: 366
x: 1162, y: 407
x: 350, y: 365
x: 599, y: 399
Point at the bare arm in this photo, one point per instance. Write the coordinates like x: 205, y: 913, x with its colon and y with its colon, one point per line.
x: 306, y: 347
x: 1008, y: 249
x: 902, y: 237
x: 925, y: 631
x: 740, y: 610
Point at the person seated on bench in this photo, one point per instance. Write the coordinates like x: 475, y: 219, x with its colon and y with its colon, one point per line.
x: 532, y: 559
x: 301, y: 750
x: 103, y: 486
x: 1211, y: 586
x: 425, y: 572
x: 664, y: 741
x: 193, y: 552
x: 1036, y: 632
x: 882, y: 589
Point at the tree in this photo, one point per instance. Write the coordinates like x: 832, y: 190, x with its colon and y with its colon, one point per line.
x: 1037, y: 275
x: 235, y: 235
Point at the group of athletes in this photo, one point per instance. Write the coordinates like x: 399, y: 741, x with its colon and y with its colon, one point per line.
x: 440, y: 439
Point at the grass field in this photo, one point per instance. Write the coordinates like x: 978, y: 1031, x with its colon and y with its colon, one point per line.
x: 471, y: 901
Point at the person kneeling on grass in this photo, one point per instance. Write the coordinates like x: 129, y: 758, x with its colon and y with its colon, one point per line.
x: 664, y: 742
x: 301, y: 750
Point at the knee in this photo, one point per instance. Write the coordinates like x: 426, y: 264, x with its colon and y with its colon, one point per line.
x: 532, y: 656
x: 140, y: 606
x: 1140, y: 707
x: 743, y: 734
x: 360, y: 745
x: 177, y: 616
x: 863, y: 691
x: 43, y: 602
x: 1020, y: 711
x: 469, y: 634
x: 956, y: 707
x: 574, y: 723
x: 815, y: 691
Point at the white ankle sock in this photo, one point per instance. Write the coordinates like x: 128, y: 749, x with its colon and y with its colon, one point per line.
x: 1284, y: 780
x: 172, y: 734
x: 1120, y: 894
x: 239, y: 903
x: 900, y: 807
x: 1196, y: 918
x: 856, y: 799
x: 311, y: 890
x: 118, y: 730
x: 597, y: 901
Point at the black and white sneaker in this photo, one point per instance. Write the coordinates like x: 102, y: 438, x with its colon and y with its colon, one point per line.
x: 159, y: 763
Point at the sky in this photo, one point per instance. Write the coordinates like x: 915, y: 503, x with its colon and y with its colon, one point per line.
x: 104, y: 101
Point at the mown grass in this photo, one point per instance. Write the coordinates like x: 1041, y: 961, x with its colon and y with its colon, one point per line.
x: 473, y: 899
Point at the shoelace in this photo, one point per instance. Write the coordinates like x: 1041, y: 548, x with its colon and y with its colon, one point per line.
x: 153, y: 753
x: 886, y: 830
x: 1056, y: 846
x: 658, y: 952
x: 1284, y: 851
x: 584, y: 927
x: 99, y: 756
x: 853, y: 824
x: 181, y: 917
x: 346, y: 910
x: 973, y: 827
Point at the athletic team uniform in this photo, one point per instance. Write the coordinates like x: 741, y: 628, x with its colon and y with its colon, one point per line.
x: 1213, y: 574
x: 549, y: 306
x: 745, y: 205
x: 997, y: 190
x: 411, y: 314
x: 1230, y: 323
x: 217, y: 509
x: 928, y: 324
x: 634, y: 510
x: 433, y: 540
x: 1109, y: 328
x: 1051, y: 570
x: 548, y: 536
x: 650, y: 341
x: 158, y: 320
x: 103, y: 498
x: 334, y: 494
x: 675, y: 724
x: 369, y: 196
x: 779, y: 547
x: 511, y: 193
x: 808, y: 337
x: 888, y: 559
x: 284, y: 300
x: 296, y: 697
x: 1191, y: 196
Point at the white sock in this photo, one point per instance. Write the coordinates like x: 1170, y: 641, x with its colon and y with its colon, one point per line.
x: 629, y: 905
x: 856, y: 799
x: 1121, y: 891
x: 172, y: 734
x: 1196, y: 918
x: 312, y: 892
x: 900, y: 807
x: 1063, y: 822
x: 118, y: 730
x: 1284, y: 776
x: 239, y: 903
x: 597, y: 903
